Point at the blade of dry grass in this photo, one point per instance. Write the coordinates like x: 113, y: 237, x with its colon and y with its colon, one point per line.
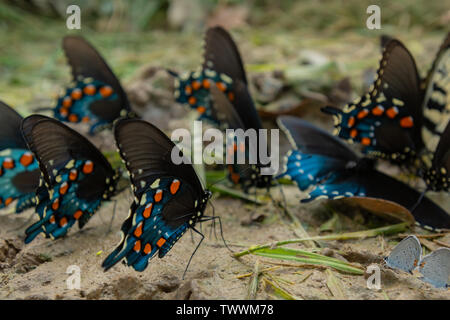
x: 343, y: 236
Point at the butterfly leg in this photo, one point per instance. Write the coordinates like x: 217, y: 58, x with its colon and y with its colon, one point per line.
x: 196, y: 248
x: 207, y: 218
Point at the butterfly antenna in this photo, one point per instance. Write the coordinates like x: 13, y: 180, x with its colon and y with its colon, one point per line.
x: 196, y: 248
x: 418, y: 200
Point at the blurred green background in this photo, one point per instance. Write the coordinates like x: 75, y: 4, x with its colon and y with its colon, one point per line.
x: 271, y: 35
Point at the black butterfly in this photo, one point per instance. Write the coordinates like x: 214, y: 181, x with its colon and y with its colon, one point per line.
x: 223, y: 68
x: 169, y: 198
x: 75, y: 176
x: 389, y: 120
x: 323, y: 162
x: 96, y: 96
x: 19, y: 172
x: 248, y: 174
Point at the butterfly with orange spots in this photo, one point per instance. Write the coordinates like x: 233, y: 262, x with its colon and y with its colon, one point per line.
x: 169, y: 198
x: 393, y: 120
x: 19, y: 171
x: 75, y: 177
x: 326, y: 168
x: 96, y: 96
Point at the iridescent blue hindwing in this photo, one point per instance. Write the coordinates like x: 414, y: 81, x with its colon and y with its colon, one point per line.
x: 59, y: 207
x: 193, y: 89
x: 146, y: 231
x: 14, y: 162
x: 74, y: 105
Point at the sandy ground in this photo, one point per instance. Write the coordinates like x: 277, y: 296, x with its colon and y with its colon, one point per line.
x: 38, y: 270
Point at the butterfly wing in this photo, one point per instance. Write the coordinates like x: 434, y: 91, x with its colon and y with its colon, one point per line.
x: 436, y: 103
x: 438, y: 176
x: 406, y: 255
x: 97, y: 96
x: 388, y: 120
x: 169, y: 198
x: 10, y: 135
x: 246, y: 174
x: 222, y: 55
x: 19, y: 173
x: 435, y: 268
x: 437, y: 80
x: 335, y: 171
x: 76, y: 177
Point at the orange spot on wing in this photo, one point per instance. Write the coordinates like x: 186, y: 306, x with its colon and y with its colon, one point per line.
x: 231, y: 96
x: 366, y: 141
x: 392, y: 112
x: 158, y: 195
x: 221, y: 86
x: 8, y: 201
x: 26, y: 159
x: 88, y: 167
x: 188, y: 90
x: 196, y: 85
x: 137, y: 246
x: 161, y: 242
x: 362, y: 114
x: 407, y: 122
x: 67, y: 102
x: 77, y: 215
x: 8, y: 163
x: 63, y: 222
x: 73, y: 117
x: 174, y: 186
x: 63, y: 112
x: 192, y: 100
x: 73, y: 174
x: 89, y: 89
x: 201, y: 109
x: 52, y: 219
x: 378, y: 111
x: 76, y: 94
x: 351, y: 122
x: 353, y: 133
x: 63, y: 188
x: 147, y: 248
x: 148, y: 211
x: 106, y: 91
x: 206, y: 84
x: 85, y: 119
x: 138, y: 230
x: 55, y: 205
